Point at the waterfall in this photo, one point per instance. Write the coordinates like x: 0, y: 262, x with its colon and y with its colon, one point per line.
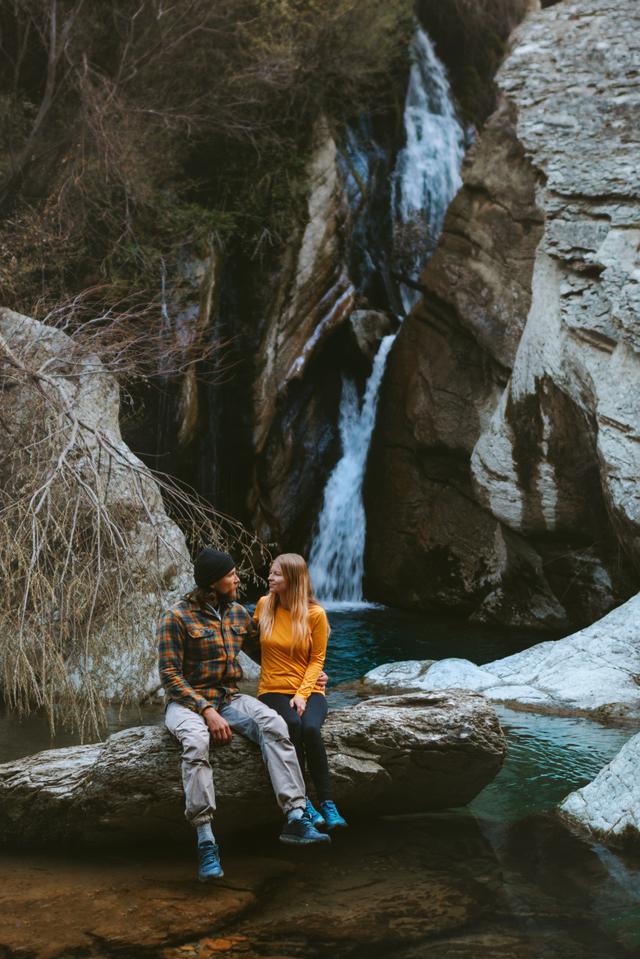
x: 336, y: 562
x: 427, y: 172
x: 423, y: 183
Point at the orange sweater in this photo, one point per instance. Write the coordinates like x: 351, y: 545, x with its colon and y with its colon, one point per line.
x: 297, y: 674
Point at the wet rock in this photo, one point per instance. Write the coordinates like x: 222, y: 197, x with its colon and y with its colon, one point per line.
x: 369, y: 327
x: 61, y: 906
x: 596, y: 671
x: 514, y: 384
x: 400, y: 754
x: 609, y: 807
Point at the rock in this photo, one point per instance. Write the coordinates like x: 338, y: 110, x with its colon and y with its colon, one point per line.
x: 594, y: 672
x: 129, y: 902
x: 369, y: 327
x: 609, y: 807
x: 400, y: 754
x: 294, y: 415
x: 509, y: 426
x: 154, y: 543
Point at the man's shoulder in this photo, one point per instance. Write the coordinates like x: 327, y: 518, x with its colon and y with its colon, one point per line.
x: 182, y: 605
x: 181, y: 609
x: 238, y: 611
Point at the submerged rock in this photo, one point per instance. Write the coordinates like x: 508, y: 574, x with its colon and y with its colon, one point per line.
x: 401, y: 754
x: 595, y: 671
x: 609, y: 807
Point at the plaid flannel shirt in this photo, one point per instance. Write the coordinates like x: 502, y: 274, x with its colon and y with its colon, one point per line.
x: 198, y: 652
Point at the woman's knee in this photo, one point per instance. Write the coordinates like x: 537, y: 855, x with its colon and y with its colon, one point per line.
x: 311, y: 733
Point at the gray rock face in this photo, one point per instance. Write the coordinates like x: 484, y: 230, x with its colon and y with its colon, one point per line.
x: 400, y: 754
x: 502, y: 471
x: 609, y: 807
x: 594, y: 672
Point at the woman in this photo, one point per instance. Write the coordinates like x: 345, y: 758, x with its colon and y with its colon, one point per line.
x: 293, y: 642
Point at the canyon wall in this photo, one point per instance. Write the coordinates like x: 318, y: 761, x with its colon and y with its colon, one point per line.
x: 503, y: 473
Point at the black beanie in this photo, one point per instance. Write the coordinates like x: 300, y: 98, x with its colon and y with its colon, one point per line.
x: 211, y: 565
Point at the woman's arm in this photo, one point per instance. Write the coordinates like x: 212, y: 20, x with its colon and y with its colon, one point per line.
x: 319, y: 636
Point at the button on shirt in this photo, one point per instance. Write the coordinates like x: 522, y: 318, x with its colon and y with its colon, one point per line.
x: 198, y: 649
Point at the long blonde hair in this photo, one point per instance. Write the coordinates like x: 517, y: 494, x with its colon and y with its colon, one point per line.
x: 299, y: 598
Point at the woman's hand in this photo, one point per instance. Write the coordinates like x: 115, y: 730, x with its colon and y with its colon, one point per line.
x: 298, y: 703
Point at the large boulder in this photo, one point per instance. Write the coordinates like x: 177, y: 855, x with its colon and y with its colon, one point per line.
x: 98, y: 514
x: 501, y: 477
x: 400, y: 754
x: 596, y: 672
x: 609, y: 807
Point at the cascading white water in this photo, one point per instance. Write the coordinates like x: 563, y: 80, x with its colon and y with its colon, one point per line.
x: 427, y: 171
x: 336, y: 562
x: 425, y: 180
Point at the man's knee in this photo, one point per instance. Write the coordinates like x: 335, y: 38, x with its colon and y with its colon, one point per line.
x: 195, y: 747
x: 275, y: 727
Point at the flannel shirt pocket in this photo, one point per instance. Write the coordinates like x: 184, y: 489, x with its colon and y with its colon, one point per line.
x: 204, y: 644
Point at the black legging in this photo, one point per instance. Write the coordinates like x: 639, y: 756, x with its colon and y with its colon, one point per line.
x: 306, y: 736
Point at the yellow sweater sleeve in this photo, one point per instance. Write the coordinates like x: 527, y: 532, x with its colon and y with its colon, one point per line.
x: 319, y: 627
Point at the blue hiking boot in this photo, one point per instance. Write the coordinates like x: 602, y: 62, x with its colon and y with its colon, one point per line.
x: 317, y: 819
x: 331, y: 816
x: 209, y: 862
x: 302, y: 832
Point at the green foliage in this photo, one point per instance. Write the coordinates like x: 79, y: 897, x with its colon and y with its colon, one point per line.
x: 127, y: 135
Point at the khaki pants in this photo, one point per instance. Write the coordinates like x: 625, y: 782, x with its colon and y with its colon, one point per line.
x: 251, y: 718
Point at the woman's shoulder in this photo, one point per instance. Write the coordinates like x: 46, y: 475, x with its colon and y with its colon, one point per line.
x: 316, y: 612
x: 261, y: 603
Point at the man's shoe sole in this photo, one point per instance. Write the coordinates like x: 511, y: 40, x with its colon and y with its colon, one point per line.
x: 293, y: 841
x: 211, y: 878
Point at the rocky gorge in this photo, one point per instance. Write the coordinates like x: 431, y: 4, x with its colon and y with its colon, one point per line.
x: 500, y: 487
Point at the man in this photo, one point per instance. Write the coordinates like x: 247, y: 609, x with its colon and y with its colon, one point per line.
x: 199, y: 639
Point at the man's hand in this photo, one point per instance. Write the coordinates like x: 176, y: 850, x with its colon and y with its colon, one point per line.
x: 298, y: 703
x: 322, y: 680
x: 219, y: 728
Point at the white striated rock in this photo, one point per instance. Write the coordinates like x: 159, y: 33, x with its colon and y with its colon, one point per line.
x: 318, y: 295
x: 609, y: 807
x: 594, y: 671
x: 577, y: 367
